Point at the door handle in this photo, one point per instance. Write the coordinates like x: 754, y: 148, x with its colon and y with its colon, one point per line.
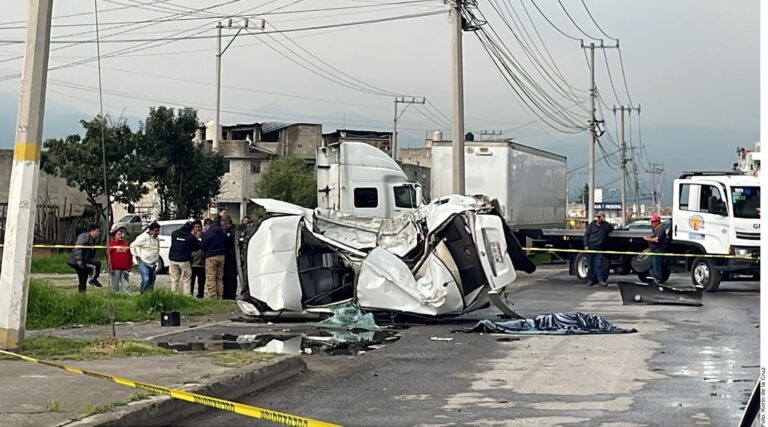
x: 675, y: 230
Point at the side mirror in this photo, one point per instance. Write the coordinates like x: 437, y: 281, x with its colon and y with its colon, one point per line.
x: 717, y: 206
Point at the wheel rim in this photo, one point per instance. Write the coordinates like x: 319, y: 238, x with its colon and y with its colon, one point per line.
x: 583, y: 267
x: 701, y: 273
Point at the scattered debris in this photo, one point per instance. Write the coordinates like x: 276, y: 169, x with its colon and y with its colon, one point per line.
x: 349, y: 316
x: 440, y: 339
x: 656, y: 293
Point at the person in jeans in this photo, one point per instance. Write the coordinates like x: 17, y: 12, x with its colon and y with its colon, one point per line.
x: 595, y: 238
x: 183, y: 243
x: 657, y: 243
x: 214, y: 246
x: 83, y: 258
x: 198, y: 262
x: 119, y: 260
x: 146, y: 250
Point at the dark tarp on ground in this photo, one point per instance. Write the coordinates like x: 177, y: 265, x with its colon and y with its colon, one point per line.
x: 552, y: 324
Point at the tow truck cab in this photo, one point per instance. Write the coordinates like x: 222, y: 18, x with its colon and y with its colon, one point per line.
x: 717, y: 213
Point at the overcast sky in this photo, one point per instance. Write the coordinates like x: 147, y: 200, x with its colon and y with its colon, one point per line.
x: 692, y: 66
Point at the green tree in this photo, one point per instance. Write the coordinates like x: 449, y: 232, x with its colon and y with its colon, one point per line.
x: 187, y: 176
x: 584, y: 193
x: 290, y: 180
x: 79, y: 161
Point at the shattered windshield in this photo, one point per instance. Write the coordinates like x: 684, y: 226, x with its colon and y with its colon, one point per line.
x: 746, y: 202
x: 405, y: 196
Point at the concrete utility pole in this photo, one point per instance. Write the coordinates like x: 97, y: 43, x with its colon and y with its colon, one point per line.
x: 216, y: 117
x: 623, y: 144
x: 592, y: 124
x: 22, y: 197
x: 402, y: 100
x: 657, y: 170
x: 458, y: 98
x: 219, y: 54
x: 637, y: 181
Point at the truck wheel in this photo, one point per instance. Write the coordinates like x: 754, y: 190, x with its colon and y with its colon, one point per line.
x: 705, y: 275
x: 581, y: 267
x: 160, y: 267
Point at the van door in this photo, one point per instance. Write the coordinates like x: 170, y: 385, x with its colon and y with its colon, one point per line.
x: 701, y: 214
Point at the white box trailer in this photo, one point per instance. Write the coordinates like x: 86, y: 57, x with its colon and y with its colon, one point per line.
x: 528, y: 183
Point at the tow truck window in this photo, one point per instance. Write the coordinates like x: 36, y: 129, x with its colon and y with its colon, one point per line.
x: 366, y: 197
x: 710, y: 200
x: 685, y: 193
x: 405, y: 196
x: 746, y: 202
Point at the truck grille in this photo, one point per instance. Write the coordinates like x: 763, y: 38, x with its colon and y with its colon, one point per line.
x: 747, y: 236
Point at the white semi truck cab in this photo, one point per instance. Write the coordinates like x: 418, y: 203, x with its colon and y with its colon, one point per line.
x: 359, y: 179
x: 718, y: 213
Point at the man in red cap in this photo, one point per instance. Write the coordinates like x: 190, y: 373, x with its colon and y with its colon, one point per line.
x: 657, y: 243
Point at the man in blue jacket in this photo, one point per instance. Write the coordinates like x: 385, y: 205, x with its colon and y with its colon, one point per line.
x: 215, y: 246
x: 183, y: 243
x: 595, y: 238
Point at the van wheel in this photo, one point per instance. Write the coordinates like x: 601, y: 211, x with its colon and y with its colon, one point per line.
x: 581, y: 267
x: 705, y: 275
x: 160, y: 267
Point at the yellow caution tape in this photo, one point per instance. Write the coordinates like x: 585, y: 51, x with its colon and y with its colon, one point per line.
x: 589, y: 251
x: 224, y: 405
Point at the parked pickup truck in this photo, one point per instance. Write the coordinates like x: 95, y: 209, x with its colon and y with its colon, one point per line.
x: 713, y: 213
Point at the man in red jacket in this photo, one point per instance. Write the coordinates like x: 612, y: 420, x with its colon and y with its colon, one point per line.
x: 120, y: 263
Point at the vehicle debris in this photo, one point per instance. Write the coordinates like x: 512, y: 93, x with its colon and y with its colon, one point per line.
x: 576, y: 323
x: 440, y: 339
x: 452, y: 256
x: 657, y: 293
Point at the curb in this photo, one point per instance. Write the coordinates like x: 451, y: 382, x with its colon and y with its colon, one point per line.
x: 164, y: 410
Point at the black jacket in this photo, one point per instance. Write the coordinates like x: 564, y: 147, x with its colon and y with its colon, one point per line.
x: 596, y: 235
x: 183, y: 243
x: 214, y: 241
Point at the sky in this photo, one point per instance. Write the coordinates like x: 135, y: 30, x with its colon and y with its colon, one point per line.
x: 692, y: 66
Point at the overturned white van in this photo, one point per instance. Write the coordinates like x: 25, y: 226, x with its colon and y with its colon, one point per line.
x: 445, y: 258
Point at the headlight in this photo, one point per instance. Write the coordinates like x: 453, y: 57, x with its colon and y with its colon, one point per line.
x: 742, y: 252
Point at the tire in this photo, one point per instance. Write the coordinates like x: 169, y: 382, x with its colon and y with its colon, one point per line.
x: 160, y: 267
x: 705, y: 275
x: 581, y: 267
x: 641, y: 263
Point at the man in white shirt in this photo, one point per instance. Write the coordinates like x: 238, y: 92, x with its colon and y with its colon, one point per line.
x: 146, y: 250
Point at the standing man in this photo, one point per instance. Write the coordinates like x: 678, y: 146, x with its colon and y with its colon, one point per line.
x: 83, y: 257
x: 183, y: 243
x: 657, y: 243
x: 594, y: 240
x: 215, y: 246
x: 146, y: 250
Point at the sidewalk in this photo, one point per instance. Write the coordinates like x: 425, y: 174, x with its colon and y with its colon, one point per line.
x: 39, y: 395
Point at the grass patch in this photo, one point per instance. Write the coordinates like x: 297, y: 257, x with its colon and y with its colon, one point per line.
x: 240, y: 358
x: 51, y: 263
x: 50, y: 306
x: 53, y: 406
x: 55, y: 348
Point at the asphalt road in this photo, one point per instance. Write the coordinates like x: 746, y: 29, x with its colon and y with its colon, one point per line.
x: 685, y: 366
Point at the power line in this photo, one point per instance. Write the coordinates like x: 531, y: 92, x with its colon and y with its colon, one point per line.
x: 595, y: 22
x: 552, y: 24
x: 574, y: 22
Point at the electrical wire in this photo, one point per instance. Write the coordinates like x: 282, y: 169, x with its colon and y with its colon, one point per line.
x: 624, y: 75
x: 574, y: 22
x: 595, y: 22
x: 552, y: 24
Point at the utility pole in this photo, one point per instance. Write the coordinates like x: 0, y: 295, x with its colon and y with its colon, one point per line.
x: 216, y: 117
x: 402, y: 100
x: 637, y: 182
x: 657, y: 169
x: 592, y: 124
x: 623, y: 144
x: 219, y: 54
x: 458, y: 98
x: 22, y: 197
